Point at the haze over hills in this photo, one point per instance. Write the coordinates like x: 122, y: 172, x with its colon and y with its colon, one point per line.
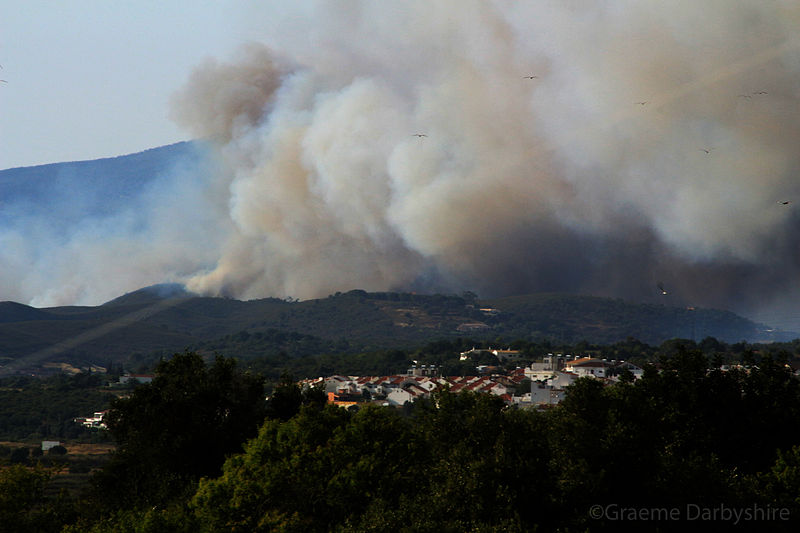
x: 167, y: 319
x: 84, y: 232
x: 77, y: 231
x: 81, y: 233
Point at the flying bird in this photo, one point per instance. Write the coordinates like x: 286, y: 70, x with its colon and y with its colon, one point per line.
x: 419, y: 135
x: 531, y: 77
x: 704, y: 150
x: 640, y: 103
x: 661, y: 288
x: 784, y: 202
x: 761, y: 92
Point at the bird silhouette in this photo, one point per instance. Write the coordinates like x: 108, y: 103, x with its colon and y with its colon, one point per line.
x: 419, y: 135
x: 531, y: 77
x: 704, y: 150
x: 784, y: 202
x: 640, y: 103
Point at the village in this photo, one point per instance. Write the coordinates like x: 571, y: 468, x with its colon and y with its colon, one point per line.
x: 548, y: 381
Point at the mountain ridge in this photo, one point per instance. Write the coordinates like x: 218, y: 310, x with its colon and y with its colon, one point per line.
x: 165, y: 319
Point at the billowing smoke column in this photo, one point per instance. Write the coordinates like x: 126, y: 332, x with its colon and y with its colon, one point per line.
x: 579, y: 146
x: 501, y: 147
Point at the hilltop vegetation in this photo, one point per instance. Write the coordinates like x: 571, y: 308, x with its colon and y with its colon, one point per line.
x: 140, y: 327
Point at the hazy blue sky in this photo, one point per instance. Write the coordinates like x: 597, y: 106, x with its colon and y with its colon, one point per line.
x: 93, y: 78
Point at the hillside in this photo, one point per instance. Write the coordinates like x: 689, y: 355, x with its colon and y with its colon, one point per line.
x: 572, y: 317
x: 65, y: 193
x: 166, y: 319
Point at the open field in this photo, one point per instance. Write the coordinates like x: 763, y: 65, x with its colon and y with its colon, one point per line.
x: 71, y: 472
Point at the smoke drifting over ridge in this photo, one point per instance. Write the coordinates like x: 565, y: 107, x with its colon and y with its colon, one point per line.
x: 654, y: 143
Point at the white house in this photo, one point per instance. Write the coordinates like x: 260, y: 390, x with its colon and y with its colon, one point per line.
x: 47, y: 444
x: 337, y: 383
x: 589, y: 366
x: 95, y: 421
x: 562, y: 380
x: 503, y: 355
x: 407, y: 393
x: 637, y: 371
x: 127, y: 379
x: 543, y: 394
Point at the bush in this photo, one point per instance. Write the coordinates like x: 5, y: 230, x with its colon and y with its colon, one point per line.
x: 79, y: 469
x: 19, y: 456
x: 57, y: 450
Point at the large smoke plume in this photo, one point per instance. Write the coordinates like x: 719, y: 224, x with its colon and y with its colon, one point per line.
x: 581, y: 146
x: 655, y: 142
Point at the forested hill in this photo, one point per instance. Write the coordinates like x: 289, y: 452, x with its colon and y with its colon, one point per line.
x: 604, y: 320
x: 165, y: 318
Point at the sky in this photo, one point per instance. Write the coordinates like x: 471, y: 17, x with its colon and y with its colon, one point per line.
x: 93, y: 78
x: 501, y: 147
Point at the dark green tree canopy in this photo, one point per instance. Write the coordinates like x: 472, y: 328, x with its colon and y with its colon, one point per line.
x: 180, y: 427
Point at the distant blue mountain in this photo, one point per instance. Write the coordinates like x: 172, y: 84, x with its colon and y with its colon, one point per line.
x: 68, y: 192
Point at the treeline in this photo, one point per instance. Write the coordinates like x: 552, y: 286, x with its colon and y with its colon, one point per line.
x: 445, y: 355
x: 43, y: 409
x: 249, y: 345
x: 200, y: 449
x: 34, y: 408
x: 570, y: 318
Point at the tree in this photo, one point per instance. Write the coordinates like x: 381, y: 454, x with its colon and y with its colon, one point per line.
x: 279, y: 482
x: 20, y: 456
x: 781, y: 484
x: 480, y: 459
x: 523, y: 387
x: 57, y: 450
x: 460, y: 462
x: 287, y: 398
x: 177, y: 429
x: 22, y: 500
x: 174, y: 519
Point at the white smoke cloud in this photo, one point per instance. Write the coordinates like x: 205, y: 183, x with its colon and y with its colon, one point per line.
x: 660, y: 133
